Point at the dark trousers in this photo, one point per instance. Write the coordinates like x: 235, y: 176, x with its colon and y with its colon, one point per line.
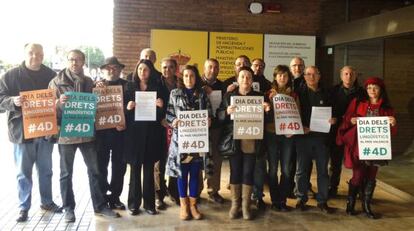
x: 362, y: 173
x: 191, y: 169
x: 110, y: 147
x: 280, y: 149
x: 242, y: 168
x: 67, y: 157
x: 312, y: 148
x: 144, y: 190
x: 335, y: 168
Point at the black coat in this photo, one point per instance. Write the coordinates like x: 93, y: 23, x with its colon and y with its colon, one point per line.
x: 144, y: 140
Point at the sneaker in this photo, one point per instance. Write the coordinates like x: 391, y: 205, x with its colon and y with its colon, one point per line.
x: 160, y: 204
x: 52, y: 207
x: 107, y: 213
x: 70, y: 216
x: 23, y: 216
x: 215, y: 197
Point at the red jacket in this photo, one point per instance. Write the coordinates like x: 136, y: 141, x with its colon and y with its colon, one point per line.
x: 347, y: 132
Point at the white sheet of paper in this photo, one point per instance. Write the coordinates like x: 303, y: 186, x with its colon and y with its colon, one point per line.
x: 215, y: 100
x: 145, y: 109
x: 320, y: 119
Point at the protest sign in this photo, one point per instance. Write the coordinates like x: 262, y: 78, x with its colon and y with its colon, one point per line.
x: 193, y: 131
x: 110, y: 107
x: 78, y: 116
x: 374, y: 138
x: 145, y: 109
x: 248, y: 117
x: 39, y: 113
x: 287, y: 116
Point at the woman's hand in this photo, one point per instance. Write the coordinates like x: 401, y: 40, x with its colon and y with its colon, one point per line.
x: 159, y: 102
x: 353, y: 120
x: 266, y: 106
x: 306, y: 130
x: 131, y: 105
x: 289, y: 136
x: 209, y: 122
x: 393, y: 121
x: 63, y: 99
x: 332, y: 121
x: 231, y: 109
x: 175, y: 123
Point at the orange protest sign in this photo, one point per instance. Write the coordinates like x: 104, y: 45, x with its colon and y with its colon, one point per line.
x: 110, y: 109
x: 39, y: 113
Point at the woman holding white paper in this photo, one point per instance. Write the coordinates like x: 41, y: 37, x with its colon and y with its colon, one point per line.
x: 142, y: 144
x: 242, y: 161
x: 374, y: 102
x: 280, y: 147
x: 188, y: 96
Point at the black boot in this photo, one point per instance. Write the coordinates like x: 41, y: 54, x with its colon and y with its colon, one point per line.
x: 350, y: 203
x: 367, y: 197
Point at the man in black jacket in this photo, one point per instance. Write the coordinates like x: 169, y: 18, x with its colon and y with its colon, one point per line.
x: 312, y: 145
x: 30, y: 75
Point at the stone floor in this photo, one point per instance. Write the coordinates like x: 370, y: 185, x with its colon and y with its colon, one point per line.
x: 396, y: 206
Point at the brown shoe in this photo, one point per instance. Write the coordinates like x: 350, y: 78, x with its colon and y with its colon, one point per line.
x: 246, y: 200
x: 184, y: 209
x: 235, y: 190
x: 193, y: 209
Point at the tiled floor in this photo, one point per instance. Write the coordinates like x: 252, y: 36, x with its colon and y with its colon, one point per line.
x: 395, y: 207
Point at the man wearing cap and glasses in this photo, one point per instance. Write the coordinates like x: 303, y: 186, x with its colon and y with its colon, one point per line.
x: 109, y: 142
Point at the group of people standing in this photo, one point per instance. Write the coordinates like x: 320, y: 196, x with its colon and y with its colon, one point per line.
x: 151, y: 147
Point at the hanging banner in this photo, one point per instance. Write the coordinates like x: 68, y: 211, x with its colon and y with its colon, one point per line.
x: 226, y: 47
x: 110, y: 107
x: 374, y: 138
x: 287, y: 116
x: 248, y: 117
x: 39, y: 113
x: 193, y: 131
x: 280, y: 49
x: 78, y: 116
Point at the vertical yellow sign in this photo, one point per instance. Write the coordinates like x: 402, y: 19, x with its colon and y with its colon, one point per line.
x: 226, y: 47
x: 187, y: 47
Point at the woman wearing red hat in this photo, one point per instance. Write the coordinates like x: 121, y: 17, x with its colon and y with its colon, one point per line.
x: 374, y: 102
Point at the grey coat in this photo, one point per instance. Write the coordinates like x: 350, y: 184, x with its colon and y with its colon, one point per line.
x: 179, y: 102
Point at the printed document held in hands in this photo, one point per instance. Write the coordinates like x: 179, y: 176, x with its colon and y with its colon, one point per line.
x: 145, y: 109
x: 320, y: 119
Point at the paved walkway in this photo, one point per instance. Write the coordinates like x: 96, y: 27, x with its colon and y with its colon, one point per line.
x: 395, y: 207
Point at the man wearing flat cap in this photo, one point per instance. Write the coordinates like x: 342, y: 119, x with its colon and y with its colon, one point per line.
x: 110, y: 141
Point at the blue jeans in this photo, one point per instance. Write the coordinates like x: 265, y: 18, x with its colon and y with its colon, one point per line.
x: 25, y: 156
x: 312, y: 148
x: 192, y: 169
x: 280, y: 150
x: 67, y: 157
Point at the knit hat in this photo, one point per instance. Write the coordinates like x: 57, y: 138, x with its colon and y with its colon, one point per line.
x: 374, y: 80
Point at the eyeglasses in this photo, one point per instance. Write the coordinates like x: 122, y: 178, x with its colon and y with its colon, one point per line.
x: 75, y: 60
